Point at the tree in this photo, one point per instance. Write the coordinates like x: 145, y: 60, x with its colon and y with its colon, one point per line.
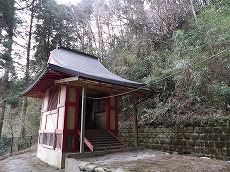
x: 8, y: 23
x: 53, y: 27
x: 80, y: 17
x: 27, y: 70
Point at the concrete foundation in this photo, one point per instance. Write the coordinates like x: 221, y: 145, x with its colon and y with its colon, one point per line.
x: 71, y: 165
x: 51, y: 157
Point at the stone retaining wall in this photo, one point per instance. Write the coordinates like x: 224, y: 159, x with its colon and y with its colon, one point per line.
x: 207, y: 141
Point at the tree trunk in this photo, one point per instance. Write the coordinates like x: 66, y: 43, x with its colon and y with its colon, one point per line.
x: 24, y: 103
x: 2, y: 114
x: 5, y: 88
x: 5, y: 82
x: 23, y: 117
x: 194, y: 12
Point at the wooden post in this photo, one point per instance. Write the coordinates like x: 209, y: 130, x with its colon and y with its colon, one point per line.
x: 30, y: 141
x: 11, y: 146
x: 135, y: 131
x: 83, y: 110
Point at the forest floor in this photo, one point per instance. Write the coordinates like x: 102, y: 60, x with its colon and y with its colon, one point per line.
x: 134, y: 161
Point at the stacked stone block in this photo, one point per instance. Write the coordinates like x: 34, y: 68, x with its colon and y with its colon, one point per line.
x: 211, y: 141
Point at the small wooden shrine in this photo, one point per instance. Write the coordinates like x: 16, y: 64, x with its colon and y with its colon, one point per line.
x: 80, y: 105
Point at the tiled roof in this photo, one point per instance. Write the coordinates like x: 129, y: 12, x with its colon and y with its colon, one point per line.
x: 89, y: 67
x: 68, y: 63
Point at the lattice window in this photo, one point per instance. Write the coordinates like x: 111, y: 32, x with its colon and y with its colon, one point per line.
x: 53, y: 98
x: 50, y: 139
x: 46, y: 139
x: 99, y: 105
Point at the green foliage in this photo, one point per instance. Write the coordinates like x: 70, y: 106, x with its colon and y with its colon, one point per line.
x: 193, y: 92
x: 215, y: 23
x: 33, y: 116
x: 122, y: 61
x: 7, y: 72
x: 54, y: 27
x: 13, y: 98
x: 4, y: 144
x: 7, y: 24
x: 7, y: 12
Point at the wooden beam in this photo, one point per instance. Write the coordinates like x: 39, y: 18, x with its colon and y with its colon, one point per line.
x: 112, y: 88
x: 106, y: 88
x: 135, y: 131
x: 66, y: 80
x: 56, y: 73
x: 83, y: 110
x: 95, y: 88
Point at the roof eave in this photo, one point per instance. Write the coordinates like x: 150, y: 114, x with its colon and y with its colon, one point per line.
x: 23, y: 93
x: 69, y: 72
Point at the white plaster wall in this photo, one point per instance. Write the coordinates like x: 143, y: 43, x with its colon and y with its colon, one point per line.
x: 51, y: 157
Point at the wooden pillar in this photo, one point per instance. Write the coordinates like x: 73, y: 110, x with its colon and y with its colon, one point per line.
x: 83, y: 110
x: 135, y: 131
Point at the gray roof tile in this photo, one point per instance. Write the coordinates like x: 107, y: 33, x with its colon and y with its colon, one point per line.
x: 75, y: 63
x: 89, y: 66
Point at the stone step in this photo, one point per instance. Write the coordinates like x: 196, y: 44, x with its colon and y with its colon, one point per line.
x: 108, y: 147
x: 103, y: 140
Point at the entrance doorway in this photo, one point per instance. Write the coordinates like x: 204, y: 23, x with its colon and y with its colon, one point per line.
x: 95, y: 111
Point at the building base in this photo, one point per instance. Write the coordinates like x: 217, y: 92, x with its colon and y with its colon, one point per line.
x: 51, y: 157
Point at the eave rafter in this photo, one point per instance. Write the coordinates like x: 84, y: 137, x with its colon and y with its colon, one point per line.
x: 66, y: 80
x: 101, y: 86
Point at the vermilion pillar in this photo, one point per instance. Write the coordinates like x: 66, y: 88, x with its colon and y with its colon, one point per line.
x: 112, y: 115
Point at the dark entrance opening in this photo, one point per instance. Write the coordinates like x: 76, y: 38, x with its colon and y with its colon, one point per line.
x: 95, y: 110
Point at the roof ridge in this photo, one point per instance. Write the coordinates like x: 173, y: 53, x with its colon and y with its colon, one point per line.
x: 78, y: 51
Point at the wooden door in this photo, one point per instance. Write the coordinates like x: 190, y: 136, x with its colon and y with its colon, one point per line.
x: 100, y: 120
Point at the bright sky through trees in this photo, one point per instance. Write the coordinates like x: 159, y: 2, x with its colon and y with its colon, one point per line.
x: 67, y: 1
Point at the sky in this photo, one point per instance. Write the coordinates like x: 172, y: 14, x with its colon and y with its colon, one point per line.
x: 67, y: 1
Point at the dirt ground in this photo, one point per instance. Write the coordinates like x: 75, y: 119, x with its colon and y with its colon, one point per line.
x: 133, y: 161
x: 154, y: 161
x: 26, y: 162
